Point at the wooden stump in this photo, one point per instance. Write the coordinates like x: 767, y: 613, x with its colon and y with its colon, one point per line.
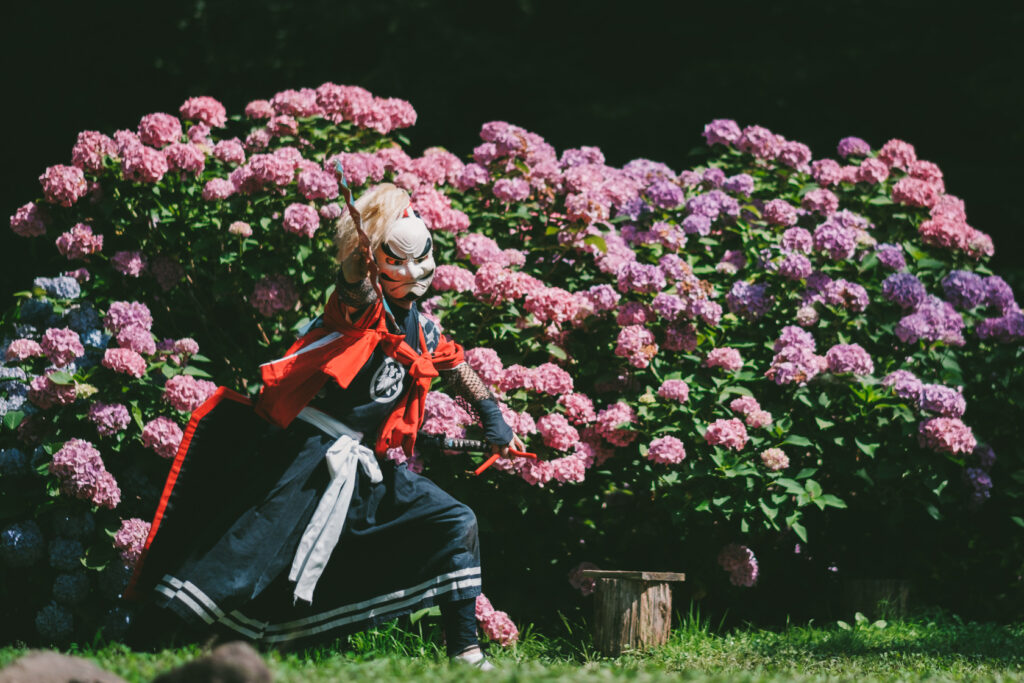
x: 632, y: 609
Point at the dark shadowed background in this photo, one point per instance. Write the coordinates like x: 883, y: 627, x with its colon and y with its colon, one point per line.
x: 637, y: 78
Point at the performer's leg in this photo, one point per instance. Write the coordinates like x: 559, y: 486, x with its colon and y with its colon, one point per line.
x: 459, y: 620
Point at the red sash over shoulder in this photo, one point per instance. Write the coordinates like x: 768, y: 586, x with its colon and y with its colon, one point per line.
x: 337, y: 351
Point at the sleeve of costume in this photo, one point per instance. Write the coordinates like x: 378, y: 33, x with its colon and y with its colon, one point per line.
x: 464, y: 381
x: 355, y: 295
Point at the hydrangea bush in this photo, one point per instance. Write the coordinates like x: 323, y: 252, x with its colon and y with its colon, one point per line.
x: 753, y: 355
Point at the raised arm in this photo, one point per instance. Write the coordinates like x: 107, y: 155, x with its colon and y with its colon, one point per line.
x: 463, y: 381
x: 353, y: 284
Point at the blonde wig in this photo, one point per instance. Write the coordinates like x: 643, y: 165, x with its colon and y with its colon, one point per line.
x: 380, y: 206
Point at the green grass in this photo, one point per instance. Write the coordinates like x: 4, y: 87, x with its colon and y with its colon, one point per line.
x: 942, y: 648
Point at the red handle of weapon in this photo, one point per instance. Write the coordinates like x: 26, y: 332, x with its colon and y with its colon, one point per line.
x: 494, y: 458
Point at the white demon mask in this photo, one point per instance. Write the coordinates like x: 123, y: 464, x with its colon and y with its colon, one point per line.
x: 406, y: 259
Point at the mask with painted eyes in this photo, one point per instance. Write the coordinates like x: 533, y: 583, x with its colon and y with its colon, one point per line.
x: 406, y: 259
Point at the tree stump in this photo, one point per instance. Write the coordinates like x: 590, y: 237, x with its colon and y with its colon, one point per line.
x: 632, y: 609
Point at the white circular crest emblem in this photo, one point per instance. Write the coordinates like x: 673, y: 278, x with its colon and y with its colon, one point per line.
x: 386, y: 383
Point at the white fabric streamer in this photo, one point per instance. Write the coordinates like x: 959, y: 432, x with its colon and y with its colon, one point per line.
x: 324, y: 530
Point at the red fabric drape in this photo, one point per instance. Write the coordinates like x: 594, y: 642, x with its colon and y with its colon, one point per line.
x: 291, y: 382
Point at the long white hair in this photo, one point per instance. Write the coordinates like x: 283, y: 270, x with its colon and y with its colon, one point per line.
x: 379, y: 206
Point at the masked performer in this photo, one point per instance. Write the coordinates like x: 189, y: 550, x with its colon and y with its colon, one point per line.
x: 282, y: 521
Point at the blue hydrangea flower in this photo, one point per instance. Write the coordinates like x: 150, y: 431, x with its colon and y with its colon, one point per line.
x: 21, y: 544
x: 76, y: 525
x: 54, y: 623
x: 13, y: 462
x: 96, y: 338
x: 36, y: 311
x: 65, y: 554
x: 82, y: 318
x: 64, y: 287
x: 71, y: 589
x: 113, y: 580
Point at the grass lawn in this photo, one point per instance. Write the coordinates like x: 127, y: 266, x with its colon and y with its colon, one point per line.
x: 915, y: 649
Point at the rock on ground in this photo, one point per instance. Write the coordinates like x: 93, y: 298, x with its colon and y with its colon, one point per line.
x: 41, y: 666
x: 234, y: 662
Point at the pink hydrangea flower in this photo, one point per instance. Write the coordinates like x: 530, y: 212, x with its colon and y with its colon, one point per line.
x: 946, y: 435
x: 821, y: 201
x: 511, y: 189
x: 724, y: 357
x: 109, y: 418
x: 613, y: 423
x: 136, y: 338
x: 21, y: 349
x: 63, y: 185
x: 206, y: 109
x: 158, y: 130
x: 551, y: 304
x: 872, y: 171
x: 186, y: 393
x: 453, y: 278
x: 636, y: 344
x: 548, y: 378
x: 143, y: 164
x: 130, y: 539
x: 122, y: 314
x: 744, y: 405
x: 46, y: 394
x: 272, y: 294
x: 90, y: 150
x: 317, y: 184
x: 130, y: 263
x: 229, y: 151
x: 897, y: 154
x: 774, y: 459
x: 240, y: 229
x: 301, y: 219
x: 218, y: 189
x: 779, y: 212
x: 579, y: 409
x: 729, y: 433
x: 163, y: 435
x: 915, y: 192
x: 556, y: 432
x: 849, y: 358
x: 125, y: 361
x: 186, y: 158
x: 674, y: 390
x: 443, y: 415
x: 667, y: 450
x: 486, y: 363
x: 741, y: 564
x: 586, y: 586
x: 61, y: 345
x: 79, y: 242
x: 757, y: 419
x: 496, y: 625
x: 28, y: 221
x: 82, y: 475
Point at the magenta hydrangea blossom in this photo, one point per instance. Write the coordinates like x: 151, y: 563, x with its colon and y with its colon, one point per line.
x: 674, y: 390
x: 61, y: 346
x: 125, y: 361
x: 741, y: 564
x: 905, y: 384
x: 496, y: 625
x: 130, y: 263
x: 122, y: 314
x: 730, y: 433
x: 82, y: 474
x: 556, y: 432
x: 186, y: 393
x: 946, y: 435
x: 274, y: 293
x: 163, y: 435
x: 636, y: 344
x: 79, y: 242
x: 849, y: 358
x: 667, y: 450
x: 22, y: 349
x: 206, y: 109
x: 942, y: 400
x: 130, y: 539
x: 724, y: 357
x: 775, y: 459
x: 853, y: 146
x: 109, y: 418
x: 613, y: 423
x: 158, y: 130
x: 63, y: 185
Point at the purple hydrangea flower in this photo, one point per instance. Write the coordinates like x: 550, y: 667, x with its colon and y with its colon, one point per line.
x: 933, y: 320
x: 851, y: 146
x: 741, y: 183
x: 964, y: 289
x: 904, y: 290
x: 942, y: 400
x: 891, y: 256
x: 838, y: 240
x: 639, y: 277
x: 905, y: 384
x: 999, y: 295
x: 748, y: 300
